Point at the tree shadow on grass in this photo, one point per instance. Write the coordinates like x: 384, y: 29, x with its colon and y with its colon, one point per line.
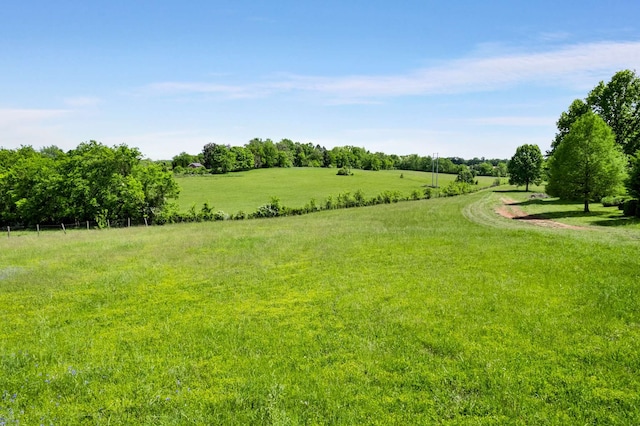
x: 548, y: 202
x: 567, y: 214
x: 617, y: 221
x: 514, y: 191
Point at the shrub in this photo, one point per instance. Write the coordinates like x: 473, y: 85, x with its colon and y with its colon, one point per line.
x: 457, y: 188
x: 415, y: 194
x: 496, y: 182
x: 329, y: 204
x: 239, y: 216
x: 428, y: 192
x: 272, y: 209
x: 167, y: 214
x: 613, y: 201
x: 220, y: 215
x: 311, y: 206
x: 206, y: 213
x: 344, y: 171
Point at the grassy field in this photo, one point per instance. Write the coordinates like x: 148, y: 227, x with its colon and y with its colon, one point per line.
x: 428, y: 312
x: 295, y: 187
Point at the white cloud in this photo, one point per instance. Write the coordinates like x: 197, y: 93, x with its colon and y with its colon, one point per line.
x: 30, y: 127
x: 577, y: 66
x: 82, y: 101
x: 11, y: 117
x: 515, y: 121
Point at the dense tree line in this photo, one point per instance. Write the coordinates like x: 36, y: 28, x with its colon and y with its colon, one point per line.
x: 92, y: 182
x: 259, y: 153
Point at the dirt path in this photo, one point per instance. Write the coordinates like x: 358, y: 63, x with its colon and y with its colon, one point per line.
x: 510, y: 210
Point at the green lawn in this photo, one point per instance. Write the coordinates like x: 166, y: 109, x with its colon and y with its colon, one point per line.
x: 428, y: 312
x: 295, y: 187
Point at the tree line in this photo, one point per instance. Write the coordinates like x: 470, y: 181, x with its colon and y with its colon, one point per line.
x: 259, y: 153
x: 92, y: 182
x: 595, y: 153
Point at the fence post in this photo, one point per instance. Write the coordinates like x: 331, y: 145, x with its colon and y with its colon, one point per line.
x: 38, y: 229
x: 128, y: 222
x: 64, y: 229
x: 108, y: 224
x: 8, y: 232
x: 145, y: 222
x: 87, y: 225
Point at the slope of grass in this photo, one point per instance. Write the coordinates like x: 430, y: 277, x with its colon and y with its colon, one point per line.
x: 395, y: 314
x: 295, y: 187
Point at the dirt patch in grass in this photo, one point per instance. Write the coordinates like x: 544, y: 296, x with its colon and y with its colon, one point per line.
x: 510, y: 210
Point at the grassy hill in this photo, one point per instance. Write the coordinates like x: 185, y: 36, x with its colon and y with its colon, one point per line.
x: 427, y: 312
x: 295, y: 187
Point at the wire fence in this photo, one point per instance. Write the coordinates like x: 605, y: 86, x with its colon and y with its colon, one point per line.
x: 80, y: 225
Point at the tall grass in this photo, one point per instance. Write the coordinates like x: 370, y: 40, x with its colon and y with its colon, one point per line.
x: 395, y: 314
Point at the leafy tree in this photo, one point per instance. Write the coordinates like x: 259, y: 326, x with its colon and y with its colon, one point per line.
x: 243, y: 158
x: 525, y: 167
x: 157, y: 186
x: 465, y: 175
x: 633, y: 181
x: 618, y: 103
x: 588, y: 164
x: 484, y: 169
x: 576, y: 110
x: 501, y: 170
x: 184, y: 159
x: 91, y: 182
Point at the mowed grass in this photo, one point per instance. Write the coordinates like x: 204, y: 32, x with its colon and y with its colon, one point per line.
x: 408, y: 313
x: 295, y: 187
x: 571, y: 213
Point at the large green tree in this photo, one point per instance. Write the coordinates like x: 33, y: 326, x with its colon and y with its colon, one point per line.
x: 525, y: 167
x: 577, y: 108
x: 588, y: 164
x: 618, y: 103
x: 91, y: 182
x: 633, y: 182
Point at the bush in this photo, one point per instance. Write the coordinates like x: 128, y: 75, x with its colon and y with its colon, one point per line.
x: 239, y: 216
x: 344, y: 171
x: 457, y: 188
x: 206, y: 213
x: 311, y: 206
x: 220, y: 215
x: 631, y: 208
x: 428, y: 192
x: 614, y: 201
x: 273, y: 209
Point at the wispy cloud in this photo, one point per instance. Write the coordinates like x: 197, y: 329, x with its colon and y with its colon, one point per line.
x: 82, y: 101
x: 514, y: 121
x: 30, y: 126
x: 9, y: 117
x: 576, y: 66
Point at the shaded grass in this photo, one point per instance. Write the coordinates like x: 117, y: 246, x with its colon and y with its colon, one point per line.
x: 570, y: 212
x: 406, y: 313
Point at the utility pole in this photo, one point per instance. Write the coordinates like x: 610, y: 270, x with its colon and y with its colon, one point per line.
x: 437, y: 167
x: 433, y: 157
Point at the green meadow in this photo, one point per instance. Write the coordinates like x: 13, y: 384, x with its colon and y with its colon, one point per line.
x: 295, y: 187
x: 435, y: 311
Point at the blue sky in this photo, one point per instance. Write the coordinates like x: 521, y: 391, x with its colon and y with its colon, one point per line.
x: 461, y: 78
